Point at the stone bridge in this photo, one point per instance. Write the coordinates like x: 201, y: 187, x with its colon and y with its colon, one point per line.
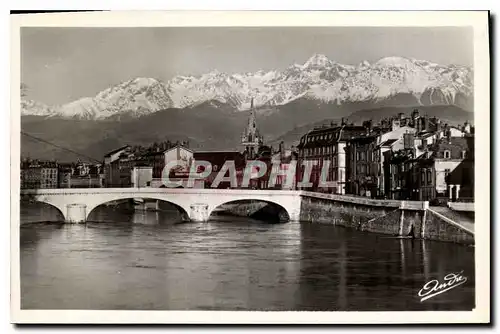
x: 77, y: 204
x: 402, y: 218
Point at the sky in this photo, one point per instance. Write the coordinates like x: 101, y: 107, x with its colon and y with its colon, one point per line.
x: 60, y: 65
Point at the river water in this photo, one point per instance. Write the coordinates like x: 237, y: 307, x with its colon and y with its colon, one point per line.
x: 152, y: 261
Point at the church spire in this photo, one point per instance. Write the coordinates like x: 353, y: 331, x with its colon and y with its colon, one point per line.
x: 251, y: 138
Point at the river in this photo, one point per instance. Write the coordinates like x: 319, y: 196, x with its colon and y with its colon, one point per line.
x: 152, y: 261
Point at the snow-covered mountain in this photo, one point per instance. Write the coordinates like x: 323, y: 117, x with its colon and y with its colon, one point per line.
x: 30, y: 107
x: 319, y: 78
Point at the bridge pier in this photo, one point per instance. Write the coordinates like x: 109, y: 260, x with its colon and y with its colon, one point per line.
x: 294, y: 215
x: 76, y: 213
x: 199, y: 212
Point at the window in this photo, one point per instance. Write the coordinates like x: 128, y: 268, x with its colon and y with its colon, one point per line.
x: 464, y: 154
x: 422, y: 177
x: 447, y: 154
x: 429, y: 176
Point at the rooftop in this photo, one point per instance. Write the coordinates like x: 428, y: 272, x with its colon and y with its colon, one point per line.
x: 116, y: 151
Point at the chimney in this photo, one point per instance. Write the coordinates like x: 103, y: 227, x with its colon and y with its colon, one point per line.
x: 282, y: 149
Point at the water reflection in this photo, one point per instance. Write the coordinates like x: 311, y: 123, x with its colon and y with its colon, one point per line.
x: 150, y: 260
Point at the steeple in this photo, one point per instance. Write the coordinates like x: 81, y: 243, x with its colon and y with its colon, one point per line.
x: 251, y: 137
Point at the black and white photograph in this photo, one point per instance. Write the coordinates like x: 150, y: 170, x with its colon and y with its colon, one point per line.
x: 199, y: 164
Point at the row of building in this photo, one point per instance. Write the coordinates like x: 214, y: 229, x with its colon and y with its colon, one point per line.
x: 416, y: 157
x: 39, y: 174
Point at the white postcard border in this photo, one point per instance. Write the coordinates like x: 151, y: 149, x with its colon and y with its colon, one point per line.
x: 478, y: 20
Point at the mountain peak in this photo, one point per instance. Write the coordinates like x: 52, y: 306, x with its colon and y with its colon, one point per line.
x: 143, y: 81
x: 318, y: 59
x: 394, y: 61
x: 364, y: 64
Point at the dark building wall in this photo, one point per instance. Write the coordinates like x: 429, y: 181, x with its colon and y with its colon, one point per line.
x: 363, y: 167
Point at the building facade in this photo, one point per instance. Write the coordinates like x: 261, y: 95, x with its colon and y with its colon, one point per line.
x: 39, y: 174
x: 325, y: 149
x: 112, y: 174
x: 439, y: 172
x: 161, y: 157
x: 142, y: 176
x: 281, y: 163
x: 217, y: 159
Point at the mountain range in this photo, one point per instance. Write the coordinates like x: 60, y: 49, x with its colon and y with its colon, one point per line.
x: 211, y: 110
x: 319, y: 78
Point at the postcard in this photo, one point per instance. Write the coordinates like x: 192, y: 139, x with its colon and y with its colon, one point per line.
x: 250, y: 167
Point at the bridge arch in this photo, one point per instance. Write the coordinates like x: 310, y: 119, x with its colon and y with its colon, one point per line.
x: 288, y: 201
x: 253, y: 208
x: 181, y: 210
x: 44, y: 204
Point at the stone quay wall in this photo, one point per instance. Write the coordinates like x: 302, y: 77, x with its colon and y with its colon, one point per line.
x: 399, y: 218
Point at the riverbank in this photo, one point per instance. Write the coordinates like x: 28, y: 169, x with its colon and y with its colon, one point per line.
x: 412, y: 219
